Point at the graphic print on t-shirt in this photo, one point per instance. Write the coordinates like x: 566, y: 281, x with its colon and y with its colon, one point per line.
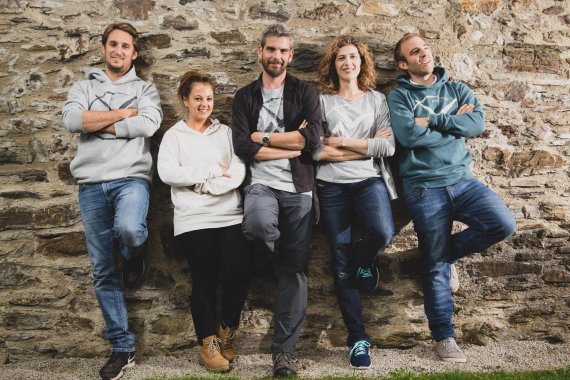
x: 271, y: 113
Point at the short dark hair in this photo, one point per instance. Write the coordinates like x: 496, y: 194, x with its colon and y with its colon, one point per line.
x: 398, y: 56
x: 187, y: 80
x: 125, y: 27
x: 277, y: 30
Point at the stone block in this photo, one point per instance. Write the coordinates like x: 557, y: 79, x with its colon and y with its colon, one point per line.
x: 553, y: 211
x: 16, y: 153
x: 70, y: 322
x: 28, y: 320
x: 270, y: 11
x: 502, y: 268
x: 553, y: 10
x: 20, y: 194
x: 516, y: 91
x: 377, y: 8
x: 556, y: 276
x: 231, y: 37
x: 23, y: 126
x: 134, y: 9
x: 307, y: 57
x: 324, y: 12
x: 532, y: 58
x: 533, y: 256
x: 479, y: 6
x: 158, y: 41
x: 45, y: 298
x: 64, y: 173
x: 61, y: 245
x: 47, y: 216
x: 13, y: 6
x: 534, y: 162
x: 195, y: 52
x: 178, y: 22
x: 167, y: 325
x: 14, y: 276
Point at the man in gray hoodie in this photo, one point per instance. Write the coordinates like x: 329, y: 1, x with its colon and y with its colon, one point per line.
x: 115, y: 113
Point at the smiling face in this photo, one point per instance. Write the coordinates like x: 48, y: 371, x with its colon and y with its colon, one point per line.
x: 200, y: 101
x: 418, y: 58
x: 275, y: 55
x: 119, y: 52
x: 347, y: 63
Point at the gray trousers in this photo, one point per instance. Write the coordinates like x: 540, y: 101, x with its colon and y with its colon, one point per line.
x: 280, y: 223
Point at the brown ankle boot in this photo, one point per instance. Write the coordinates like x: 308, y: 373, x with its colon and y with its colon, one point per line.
x: 227, y: 336
x: 211, y: 357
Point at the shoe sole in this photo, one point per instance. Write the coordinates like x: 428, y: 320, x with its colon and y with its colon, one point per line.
x: 361, y: 368
x: 120, y: 374
x: 455, y: 360
x: 219, y: 369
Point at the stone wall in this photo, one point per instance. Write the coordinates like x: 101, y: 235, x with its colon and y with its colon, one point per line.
x: 514, y: 54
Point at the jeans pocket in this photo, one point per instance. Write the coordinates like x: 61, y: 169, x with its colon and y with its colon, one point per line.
x: 414, y: 196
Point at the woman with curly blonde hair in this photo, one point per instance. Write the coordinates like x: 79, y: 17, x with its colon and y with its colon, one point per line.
x: 353, y: 180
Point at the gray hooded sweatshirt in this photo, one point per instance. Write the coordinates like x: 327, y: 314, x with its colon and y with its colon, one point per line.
x: 103, y: 157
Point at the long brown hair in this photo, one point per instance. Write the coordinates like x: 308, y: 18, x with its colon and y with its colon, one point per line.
x: 328, y: 77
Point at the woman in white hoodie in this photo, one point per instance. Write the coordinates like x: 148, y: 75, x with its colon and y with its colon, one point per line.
x: 197, y: 160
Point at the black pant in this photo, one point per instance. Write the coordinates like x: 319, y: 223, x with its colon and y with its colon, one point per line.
x: 216, y: 255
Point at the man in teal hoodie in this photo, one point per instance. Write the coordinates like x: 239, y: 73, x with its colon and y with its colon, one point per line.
x: 114, y: 112
x: 431, y: 117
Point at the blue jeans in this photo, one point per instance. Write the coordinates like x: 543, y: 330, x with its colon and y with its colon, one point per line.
x: 433, y: 211
x: 340, y: 202
x: 113, y: 211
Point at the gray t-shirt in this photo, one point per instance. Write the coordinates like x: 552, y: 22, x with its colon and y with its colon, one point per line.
x: 359, y: 118
x: 272, y: 173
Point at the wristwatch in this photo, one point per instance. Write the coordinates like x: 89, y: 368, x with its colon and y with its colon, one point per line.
x: 265, y: 139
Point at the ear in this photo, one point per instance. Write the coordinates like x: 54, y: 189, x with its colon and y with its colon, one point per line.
x: 135, y: 55
x: 402, y: 65
x: 291, y: 56
x: 103, y: 50
x: 259, y: 53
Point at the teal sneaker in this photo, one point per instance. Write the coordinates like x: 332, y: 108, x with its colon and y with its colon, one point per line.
x: 359, y: 355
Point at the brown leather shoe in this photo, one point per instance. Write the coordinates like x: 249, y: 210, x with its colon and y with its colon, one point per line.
x: 227, y: 335
x: 211, y: 357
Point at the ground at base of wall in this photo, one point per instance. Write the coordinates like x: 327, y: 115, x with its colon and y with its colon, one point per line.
x: 499, y: 356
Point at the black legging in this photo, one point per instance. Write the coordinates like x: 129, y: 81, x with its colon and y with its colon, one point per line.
x: 216, y: 255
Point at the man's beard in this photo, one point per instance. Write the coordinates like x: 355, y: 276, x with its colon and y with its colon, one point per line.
x: 273, y: 73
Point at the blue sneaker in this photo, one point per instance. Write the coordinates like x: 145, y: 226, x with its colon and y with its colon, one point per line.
x: 367, y: 279
x: 359, y: 356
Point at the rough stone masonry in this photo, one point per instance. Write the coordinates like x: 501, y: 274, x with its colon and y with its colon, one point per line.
x: 514, y: 54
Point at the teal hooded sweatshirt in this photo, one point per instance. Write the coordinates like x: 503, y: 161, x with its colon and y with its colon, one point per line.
x: 435, y: 156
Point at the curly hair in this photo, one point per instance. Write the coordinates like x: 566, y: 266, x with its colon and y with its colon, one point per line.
x: 328, y: 77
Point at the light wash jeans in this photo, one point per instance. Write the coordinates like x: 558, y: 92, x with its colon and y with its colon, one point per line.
x: 433, y: 211
x: 368, y: 200
x: 113, y: 212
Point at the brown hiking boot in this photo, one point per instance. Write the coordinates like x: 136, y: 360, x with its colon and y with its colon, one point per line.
x: 227, y: 335
x: 211, y: 357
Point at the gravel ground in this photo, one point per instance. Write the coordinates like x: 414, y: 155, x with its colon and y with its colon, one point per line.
x: 507, y: 356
